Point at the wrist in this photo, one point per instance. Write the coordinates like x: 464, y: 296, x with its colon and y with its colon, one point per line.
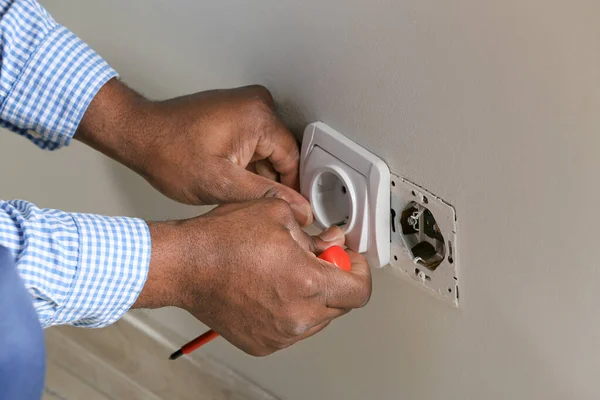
x: 118, y: 124
x: 166, y: 275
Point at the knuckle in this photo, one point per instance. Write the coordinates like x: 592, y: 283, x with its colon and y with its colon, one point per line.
x: 294, y: 154
x: 261, y: 94
x: 296, y: 324
x: 279, y: 208
x: 259, y: 108
x: 272, y: 192
x: 308, y: 284
x: 298, y: 327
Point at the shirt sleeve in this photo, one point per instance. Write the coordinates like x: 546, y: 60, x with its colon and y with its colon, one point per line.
x: 84, y: 270
x: 48, y: 76
x: 80, y: 269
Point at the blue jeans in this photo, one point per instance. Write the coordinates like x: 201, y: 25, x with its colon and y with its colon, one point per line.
x: 22, y: 352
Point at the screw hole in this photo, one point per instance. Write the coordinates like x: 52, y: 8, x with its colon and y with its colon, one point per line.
x: 425, y: 200
x: 413, y: 193
x: 419, y: 274
x: 396, y: 258
x: 450, y: 260
x: 449, y: 290
x: 393, y: 183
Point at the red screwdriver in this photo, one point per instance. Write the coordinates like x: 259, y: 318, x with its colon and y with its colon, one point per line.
x: 334, y: 255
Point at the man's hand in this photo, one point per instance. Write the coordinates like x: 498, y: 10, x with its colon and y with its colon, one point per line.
x: 211, y: 147
x: 249, y: 272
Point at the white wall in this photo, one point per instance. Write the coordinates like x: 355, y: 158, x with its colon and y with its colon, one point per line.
x: 492, y: 105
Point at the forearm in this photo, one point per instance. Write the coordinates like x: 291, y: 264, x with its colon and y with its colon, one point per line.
x: 48, y: 76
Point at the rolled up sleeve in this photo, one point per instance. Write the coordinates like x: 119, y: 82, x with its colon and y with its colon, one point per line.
x: 80, y: 269
x: 48, y: 76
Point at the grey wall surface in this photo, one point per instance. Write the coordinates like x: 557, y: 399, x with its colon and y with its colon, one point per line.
x: 494, y: 106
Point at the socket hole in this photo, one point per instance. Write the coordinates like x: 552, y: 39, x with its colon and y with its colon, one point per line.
x: 413, y: 193
x: 418, y: 272
x: 450, y: 260
x: 425, y: 200
x: 330, y: 202
x: 396, y: 258
x: 393, y: 183
x: 449, y: 290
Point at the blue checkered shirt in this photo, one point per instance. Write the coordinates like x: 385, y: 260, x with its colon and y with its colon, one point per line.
x: 80, y: 269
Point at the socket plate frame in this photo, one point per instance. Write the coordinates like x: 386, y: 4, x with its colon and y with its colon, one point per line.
x: 364, y: 174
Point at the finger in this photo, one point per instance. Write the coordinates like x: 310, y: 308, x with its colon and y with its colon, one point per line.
x: 244, y: 185
x: 276, y: 345
x: 348, y: 289
x: 252, y: 167
x: 332, y: 236
x: 313, y: 331
x: 279, y: 145
x: 333, y: 313
x: 265, y: 168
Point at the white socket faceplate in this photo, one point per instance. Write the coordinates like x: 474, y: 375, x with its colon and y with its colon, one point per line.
x: 347, y: 186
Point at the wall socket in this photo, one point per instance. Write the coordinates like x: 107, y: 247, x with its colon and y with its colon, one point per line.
x: 347, y: 186
x: 423, y: 240
x: 352, y: 188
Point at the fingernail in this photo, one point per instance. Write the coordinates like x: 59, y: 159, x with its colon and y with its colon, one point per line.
x: 304, y: 211
x: 331, y: 234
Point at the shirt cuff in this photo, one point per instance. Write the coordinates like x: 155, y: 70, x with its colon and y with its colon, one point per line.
x: 53, y: 91
x: 114, y: 258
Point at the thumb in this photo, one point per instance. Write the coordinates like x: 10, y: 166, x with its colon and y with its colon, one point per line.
x: 332, y: 236
x: 245, y: 185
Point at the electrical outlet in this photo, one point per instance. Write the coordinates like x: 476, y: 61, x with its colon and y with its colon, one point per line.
x: 423, y: 239
x: 347, y: 186
x: 350, y: 187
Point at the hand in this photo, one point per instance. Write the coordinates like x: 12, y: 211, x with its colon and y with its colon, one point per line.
x: 249, y: 272
x: 212, y: 147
